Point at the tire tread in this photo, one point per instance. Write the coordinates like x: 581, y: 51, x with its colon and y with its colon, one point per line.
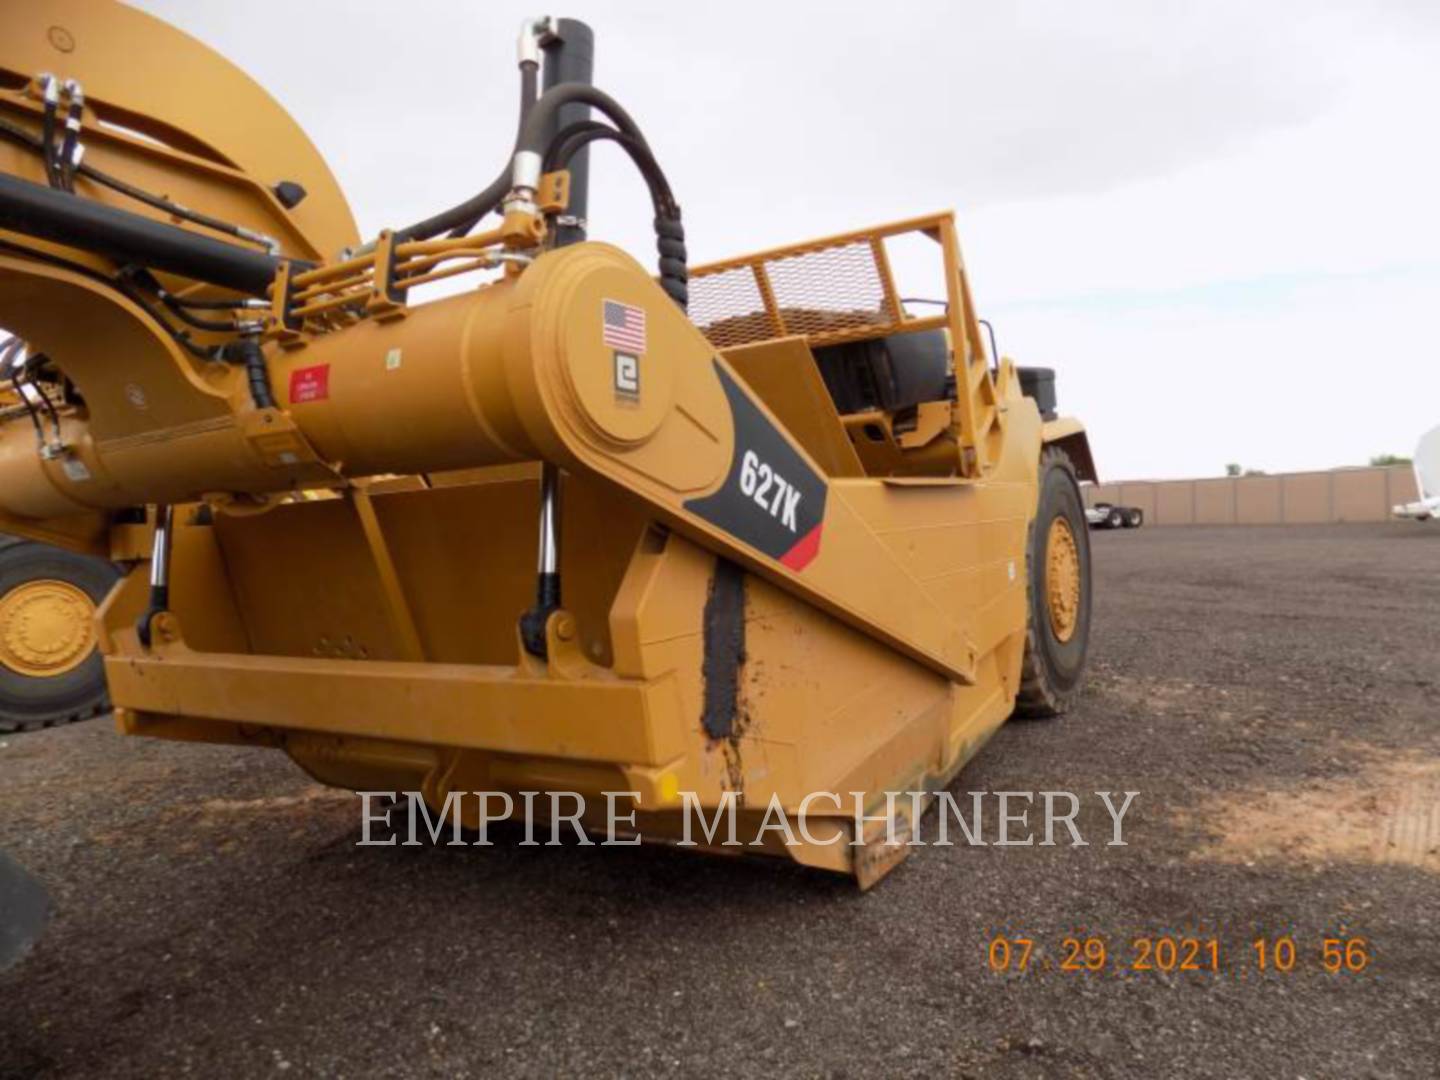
x: 97, y: 702
x: 1039, y: 697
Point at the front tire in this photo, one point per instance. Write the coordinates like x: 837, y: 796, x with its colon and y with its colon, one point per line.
x: 1057, y: 558
x: 50, y: 670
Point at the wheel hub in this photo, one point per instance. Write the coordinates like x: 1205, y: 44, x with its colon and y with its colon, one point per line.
x: 47, y: 628
x: 1062, y: 579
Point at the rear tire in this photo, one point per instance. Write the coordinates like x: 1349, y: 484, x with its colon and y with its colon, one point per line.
x: 1057, y: 634
x: 48, y: 674
x: 1116, y: 519
x: 1134, y: 517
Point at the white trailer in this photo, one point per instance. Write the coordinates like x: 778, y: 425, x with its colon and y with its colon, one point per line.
x: 1427, y: 478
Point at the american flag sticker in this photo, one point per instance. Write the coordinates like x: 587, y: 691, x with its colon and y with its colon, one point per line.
x: 624, y: 326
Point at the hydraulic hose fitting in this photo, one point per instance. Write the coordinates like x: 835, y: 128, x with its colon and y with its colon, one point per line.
x: 535, y: 33
x: 269, y: 243
x: 72, y: 150
x: 524, y: 182
x: 76, y: 93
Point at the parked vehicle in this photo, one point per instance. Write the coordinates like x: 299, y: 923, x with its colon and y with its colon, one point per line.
x: 1427, y: 479
x: 1106, y: 515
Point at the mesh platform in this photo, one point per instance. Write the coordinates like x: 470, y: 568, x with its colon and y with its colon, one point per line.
x: 827, y: 291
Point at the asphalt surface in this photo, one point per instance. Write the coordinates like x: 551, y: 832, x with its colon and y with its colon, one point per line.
x: 1269, y: 692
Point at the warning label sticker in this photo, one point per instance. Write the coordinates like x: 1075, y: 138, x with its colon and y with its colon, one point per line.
x: 309, y: 384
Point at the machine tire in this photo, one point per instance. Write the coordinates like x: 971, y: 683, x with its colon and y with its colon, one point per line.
x: 1134, y: 517
x: 29, y: 701
x: 1052, y: 671
x: 1115, y: 519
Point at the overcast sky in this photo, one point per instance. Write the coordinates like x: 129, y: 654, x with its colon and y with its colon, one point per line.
x: 1218, y: 221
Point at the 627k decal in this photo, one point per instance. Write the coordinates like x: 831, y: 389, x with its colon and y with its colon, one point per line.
x: 772, y: 498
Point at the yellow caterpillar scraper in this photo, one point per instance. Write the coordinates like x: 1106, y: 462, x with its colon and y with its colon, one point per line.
x: 792, y: 536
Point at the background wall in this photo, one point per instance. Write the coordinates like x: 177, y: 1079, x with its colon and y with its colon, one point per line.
x: 1365, y: 494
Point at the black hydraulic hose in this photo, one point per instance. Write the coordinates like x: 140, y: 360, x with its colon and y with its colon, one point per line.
x: 561, y: 147
x: 8, y: 351
x: 529, y: 84
x: 216, y: 305
x: 247, y: 351
x: 34, y: 365
x: 181, y: 338
x: 142, y: 279
x: 674, y: 259
x: 180, y: 313
x: 529, y: 91
x: 669, y: 232
x: 24, y: 400
x: 534, y: 133
x: 47, y: 143
x: 571, y: 139
x: 63, y: 218
x: 464, y: 215
x: 158, y: 202
x: 67, y: 163
x: 538, y: 119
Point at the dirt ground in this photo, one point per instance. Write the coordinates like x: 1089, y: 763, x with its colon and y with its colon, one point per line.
x: 1270, y: 693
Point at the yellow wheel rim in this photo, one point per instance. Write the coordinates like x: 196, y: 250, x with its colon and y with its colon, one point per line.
x: 1062, y: 579
x: 47, y: 628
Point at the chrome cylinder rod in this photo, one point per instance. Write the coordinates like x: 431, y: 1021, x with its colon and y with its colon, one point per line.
x: 547, y: 577
x: 159, y: 572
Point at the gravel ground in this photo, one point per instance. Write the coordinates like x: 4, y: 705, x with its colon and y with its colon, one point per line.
x: 1269, y: 692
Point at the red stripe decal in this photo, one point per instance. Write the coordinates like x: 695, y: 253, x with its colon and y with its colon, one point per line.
x: 805, y: 550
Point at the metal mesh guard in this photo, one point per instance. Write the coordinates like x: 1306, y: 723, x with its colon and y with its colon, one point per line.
x: 728, y: 308
x: 817, y: 293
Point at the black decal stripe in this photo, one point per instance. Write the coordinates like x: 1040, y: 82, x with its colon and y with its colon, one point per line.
x: 739, y: 514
